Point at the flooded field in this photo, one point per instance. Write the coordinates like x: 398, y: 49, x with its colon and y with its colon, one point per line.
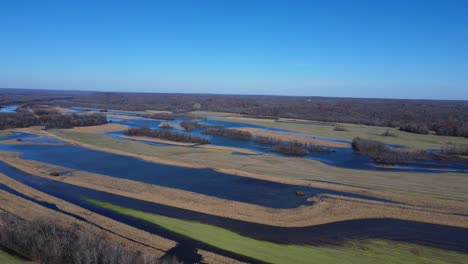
x: 439, y: 236
x: 203, y: 181
x: 338, y: 156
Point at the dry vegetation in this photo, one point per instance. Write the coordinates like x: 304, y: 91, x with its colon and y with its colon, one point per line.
x: 165, y: 134
x: 443, y: 117
x: 226, y: 132
x: 49, y: 119
x: 280, y: 169
x: 43, y: 240
x: 327, y: 208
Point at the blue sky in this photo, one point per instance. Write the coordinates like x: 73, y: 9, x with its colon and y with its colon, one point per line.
x: 385, y: 49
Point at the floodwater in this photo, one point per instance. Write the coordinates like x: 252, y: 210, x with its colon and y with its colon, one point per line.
x: 445, y: 237
x: 202, y: 181
x: 32, y: 138
x: 339, y: 157
x: 9, y: 109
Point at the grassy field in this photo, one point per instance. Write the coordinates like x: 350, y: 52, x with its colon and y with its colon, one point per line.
x: 4, y: 133
x: 449, y: 185
x: 364, y: 251
x: 6, y: 258
x: 323, y: 129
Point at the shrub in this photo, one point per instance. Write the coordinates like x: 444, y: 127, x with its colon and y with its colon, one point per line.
x: 46, y: 242
x: 264, y: 140
x: 415, y: 128
x: 290, y: 148
x: 387, y: 133
x: 380, y: 153
x: 166, y: 134
x: 165, y: 126
x: 339, y: 127
x: 26, y: 119
x: 190, y: 125
x: 455, y: 150
x: 167, y: 117
x: 226, y: 132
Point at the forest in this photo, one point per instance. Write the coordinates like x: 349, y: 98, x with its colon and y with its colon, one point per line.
x: 446, y: 118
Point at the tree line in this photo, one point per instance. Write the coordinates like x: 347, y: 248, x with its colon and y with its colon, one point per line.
x: 24, y: 118
x: 165, y: 134
x: 44, y: 241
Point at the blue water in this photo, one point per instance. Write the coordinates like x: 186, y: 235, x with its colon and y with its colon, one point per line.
x: 9, y: 109
x: 26, y: 137
x: 339, y: 157
x: 203, y: 181
x: 334, y: 233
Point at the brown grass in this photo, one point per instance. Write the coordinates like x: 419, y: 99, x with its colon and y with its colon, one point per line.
x: 126, y: 117
x: 291, y: 138
x: 100, y: 129
x: 231, y: 149
x: 326, y: 209
x: 159, y: 140
x: 453, y: 186
x: 210, y: 257
x: 122, y: 234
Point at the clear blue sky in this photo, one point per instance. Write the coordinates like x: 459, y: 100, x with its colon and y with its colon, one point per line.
x: 397, y: 49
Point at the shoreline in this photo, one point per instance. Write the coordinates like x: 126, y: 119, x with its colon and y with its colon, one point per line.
x: 326, y: 208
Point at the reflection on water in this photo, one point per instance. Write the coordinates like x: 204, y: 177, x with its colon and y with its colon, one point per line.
x: 8, y: 109
x: 340, y: 157
x: 334, y: 233
x: 203, y: 181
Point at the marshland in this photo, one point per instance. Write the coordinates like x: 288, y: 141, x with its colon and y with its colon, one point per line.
x: 279, y: 186
x: 315, y: 132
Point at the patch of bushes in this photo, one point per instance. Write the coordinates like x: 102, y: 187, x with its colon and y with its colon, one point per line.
x: 45, y: 111
x: 46, y: 242
x: 415, y: 128
x: 166, y: 134
x: 264, y: 140
x: 190, y: 125
x: 382, y: 154
x: 167, y: 117
x: 339, y: 127
x: 455, y: 150
x: 451, y: 128
x: 73, y: 120
x: 165, y: 126
x: 387, y: 133
x: 26, y: 119
x: 290, y: 148
x: 226, y: 132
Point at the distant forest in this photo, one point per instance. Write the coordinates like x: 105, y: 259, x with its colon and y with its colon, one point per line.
x: 417, y: 116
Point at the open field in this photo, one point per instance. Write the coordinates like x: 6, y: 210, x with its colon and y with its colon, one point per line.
x: 157, y: 140
x: 372, y: 251
x: 411, y: 140
x: 449, y: 185
x: 291, y: 138
x: 4, y: 133
x: 100, y: 129
x: 6, y: 258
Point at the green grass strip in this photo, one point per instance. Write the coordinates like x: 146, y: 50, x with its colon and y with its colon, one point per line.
x: 6, y: 258
x: 368, y: 251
